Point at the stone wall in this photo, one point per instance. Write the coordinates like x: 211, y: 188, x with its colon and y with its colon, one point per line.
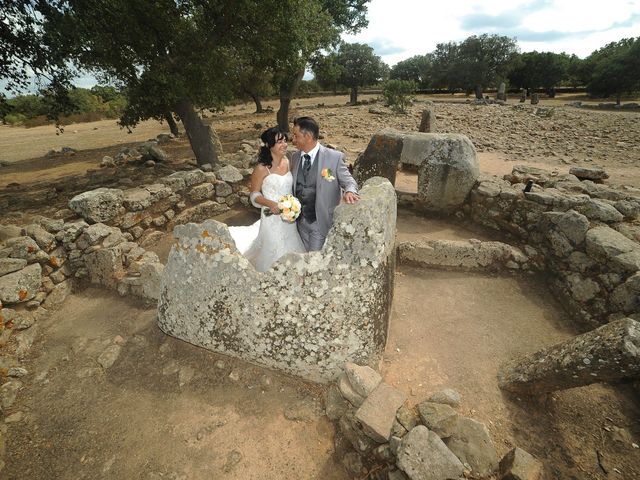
x: 102, y: 242
x: 586, y: 234
x: 309, y: 314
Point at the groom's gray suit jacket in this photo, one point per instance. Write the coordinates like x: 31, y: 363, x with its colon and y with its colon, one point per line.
x: 328, y: 193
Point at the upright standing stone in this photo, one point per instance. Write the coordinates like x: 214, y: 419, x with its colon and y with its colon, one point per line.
x: 502, y: 89
x: 427, y: 124
x: 523, y: 95
x: 535, y: 99
x: 608, y: 353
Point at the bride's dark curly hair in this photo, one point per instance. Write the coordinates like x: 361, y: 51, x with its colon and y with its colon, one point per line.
x: 269, y: 138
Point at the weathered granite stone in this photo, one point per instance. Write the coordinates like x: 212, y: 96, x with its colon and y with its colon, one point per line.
x: 348, y: 392
x: 202, y: 192
x: 9, y: 231
x: 105, y: 267
x: 407, y: 417
x: 378, y: 412
x: 520, y: 465
x: 606, y: 353
x: 8, y: 265
x: 626, y: 297
x: 571, y: 223
x: 596, y: 209
x: 589, y: 173
x: 229, y: 174
x: 351, y: 429
x: 136, y: 199
x: 363, y: 379
x: 24, y: 247
x: 428, y: 121
x: 333, y: 305
x: 447, y: 164
x: 469, y: 254
x: 381, y: 157
x: 604, y: 243
x: 21, y: 286
x: 58, y: 295
x: 423, y: 456
x: 471, y: 443
x: 335, y: 404
x: 100, y: 205
x: 448, y: 396
x: 198, y: 213
x: 438, y: 417
x: 45, y: 240
x: 582, y: 289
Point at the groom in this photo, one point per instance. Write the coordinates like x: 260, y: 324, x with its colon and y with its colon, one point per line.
x: 320, y: 177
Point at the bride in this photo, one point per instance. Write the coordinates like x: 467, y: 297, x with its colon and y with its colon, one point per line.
x: 269, y: 238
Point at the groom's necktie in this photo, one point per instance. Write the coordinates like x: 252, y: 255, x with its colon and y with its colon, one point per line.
x: 306, y: 166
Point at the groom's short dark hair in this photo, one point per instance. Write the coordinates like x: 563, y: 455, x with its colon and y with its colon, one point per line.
x: 307, y: 124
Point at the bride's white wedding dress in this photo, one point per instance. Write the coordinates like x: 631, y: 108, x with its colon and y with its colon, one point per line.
x: 269, y: 238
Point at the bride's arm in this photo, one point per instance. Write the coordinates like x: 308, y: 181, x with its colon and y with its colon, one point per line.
x: 257, y: 199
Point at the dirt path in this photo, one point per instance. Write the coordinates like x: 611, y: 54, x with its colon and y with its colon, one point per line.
x: 164, y: 410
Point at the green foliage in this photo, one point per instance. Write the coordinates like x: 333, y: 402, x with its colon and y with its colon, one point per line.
x: 615, y: 69
x: 24, y: 108
x: 326, y: 71
x: 353, y: 65
x: 309, y: 86
x: 418, y: 69
x: 477, y: 62
x: 398, y: 94
x: 534, y: 70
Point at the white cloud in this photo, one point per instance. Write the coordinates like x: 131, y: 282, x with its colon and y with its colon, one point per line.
x: 403, y: 28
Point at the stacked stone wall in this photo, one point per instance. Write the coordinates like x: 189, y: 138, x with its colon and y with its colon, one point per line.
x: 100, y: 241
x: 586, y: 234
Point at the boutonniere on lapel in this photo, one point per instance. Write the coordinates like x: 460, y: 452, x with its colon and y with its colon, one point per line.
x: 327, y: 174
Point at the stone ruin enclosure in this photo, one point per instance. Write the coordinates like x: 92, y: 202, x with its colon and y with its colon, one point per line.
x: 308, y: 314
x: 331, y: 308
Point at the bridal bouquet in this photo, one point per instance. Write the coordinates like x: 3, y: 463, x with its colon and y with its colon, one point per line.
x: 289, y: 208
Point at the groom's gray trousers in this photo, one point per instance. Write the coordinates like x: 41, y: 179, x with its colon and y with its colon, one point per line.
x: 312, y: 239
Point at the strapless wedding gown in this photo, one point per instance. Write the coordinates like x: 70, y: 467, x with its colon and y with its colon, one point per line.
x: 269, y: 238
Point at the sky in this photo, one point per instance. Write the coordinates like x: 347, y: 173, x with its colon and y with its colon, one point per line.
x: 399, y: 29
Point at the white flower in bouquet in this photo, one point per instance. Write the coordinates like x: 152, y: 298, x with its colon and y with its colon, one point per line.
x: 289, y: 208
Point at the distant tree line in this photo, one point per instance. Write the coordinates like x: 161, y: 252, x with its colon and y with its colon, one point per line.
x: 169, y: 60
x: 485, y: 61
x: 84, y: 105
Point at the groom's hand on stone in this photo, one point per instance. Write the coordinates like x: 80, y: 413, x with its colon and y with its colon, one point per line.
x: 351, y: 197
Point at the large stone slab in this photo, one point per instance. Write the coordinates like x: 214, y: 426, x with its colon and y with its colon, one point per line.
x: 307, y: 315
x: 423, y: 456
x: 447, y: 164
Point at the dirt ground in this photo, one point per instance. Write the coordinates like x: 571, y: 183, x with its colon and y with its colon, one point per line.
x: 169, y: 410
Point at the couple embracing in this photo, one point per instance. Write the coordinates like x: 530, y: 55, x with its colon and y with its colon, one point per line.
x: 317, y: 176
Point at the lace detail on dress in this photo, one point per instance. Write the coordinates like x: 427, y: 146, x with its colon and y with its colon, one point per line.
x: 269, y: 238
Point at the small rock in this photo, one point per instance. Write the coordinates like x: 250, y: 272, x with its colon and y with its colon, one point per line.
x: 14, y: 418
x: 234, y: 376
x: 108, y: 357
x: 447, y: 396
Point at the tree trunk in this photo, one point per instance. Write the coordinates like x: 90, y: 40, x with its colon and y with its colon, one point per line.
x: 478, y: 90
x: 608, y: 353
x: 256, y: 100
x: 354, y: 95
x: 287, y: 91
x: 173, y: 126
x: 201, y: 136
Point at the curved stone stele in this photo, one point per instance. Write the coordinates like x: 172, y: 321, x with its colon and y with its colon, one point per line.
x: 307, y: 315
